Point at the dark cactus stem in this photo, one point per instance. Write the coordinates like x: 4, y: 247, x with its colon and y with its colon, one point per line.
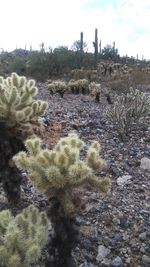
x: 10, y: 176
x: 83, y: 90
x: 96, y: 49
x: 100, y: 47
x: 114, y: 47
x: 52, y: 93
x: 73, y: 90
x: 97, y: 98
x: 81, y: 42
x: 109, y: 100
x: 61, y: 94
x: 77, y: 91
x: 65, y: 237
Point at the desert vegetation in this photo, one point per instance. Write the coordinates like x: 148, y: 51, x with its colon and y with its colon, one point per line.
x: 74, y: 149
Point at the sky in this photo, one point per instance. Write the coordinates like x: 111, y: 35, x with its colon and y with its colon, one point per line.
x: 60, y: 22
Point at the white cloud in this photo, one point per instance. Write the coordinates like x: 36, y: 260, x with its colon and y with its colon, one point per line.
x: 60, y: 22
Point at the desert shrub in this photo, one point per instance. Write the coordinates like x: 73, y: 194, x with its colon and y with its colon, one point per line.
x: 22, y: 237
x: 38, y: 65
x: 129, y: 111
x: 18, y: 65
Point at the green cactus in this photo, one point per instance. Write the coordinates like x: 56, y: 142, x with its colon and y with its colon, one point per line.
x: 18, y: 109
x: 73, y: 86
x: 95, y: 44
x: 95, y: 90
x: 18, y: 112
x: 57, y: 172
x: 22, y: 237
x: 78, y: 86
x: 81, y: 42
x: 129, y: 111
x: 57, y: 87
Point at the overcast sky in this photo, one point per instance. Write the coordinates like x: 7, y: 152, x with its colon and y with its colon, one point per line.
x: 59, y: 22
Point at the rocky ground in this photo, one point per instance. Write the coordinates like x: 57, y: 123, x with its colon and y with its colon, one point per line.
x: 114, y: 228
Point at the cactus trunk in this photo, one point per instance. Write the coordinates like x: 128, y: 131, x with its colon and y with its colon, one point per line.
x: 10, y: 176
x: 96, y: 49
x: 97, y: 98
x: 81, y: 42
x: 65, y: 237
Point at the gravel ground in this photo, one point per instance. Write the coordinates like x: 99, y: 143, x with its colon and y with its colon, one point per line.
x: 114, y: 228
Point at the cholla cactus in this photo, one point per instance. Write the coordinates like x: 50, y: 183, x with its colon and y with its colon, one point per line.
x: 57, y: 172
x: 95, y: 90
x: 77, y: 86
x: 58, y: 87
x: 22, y: 237
x: 18, y: 109
x: 83, y: 85
x: 129, y: 110
x: 18, y: 112
x: 73, y: 86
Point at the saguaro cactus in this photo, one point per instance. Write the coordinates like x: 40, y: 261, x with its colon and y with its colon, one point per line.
x: 81, y: 42
x: 100, y: 47
x: 95, y: 44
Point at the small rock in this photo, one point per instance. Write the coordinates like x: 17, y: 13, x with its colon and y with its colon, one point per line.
x: 115, y: 170
x: 89, y: 258
x: 145, y: 163
x: 116, y: 241
x: 128, y: 260
x: 87, y: 244
x: 143, y: 236
x: 102, y: 253
x: 117, y: 262
x: 79, y: 221
x: 86, y: 264
x: 146, y: 260
x: 124, y: 222
x: 124, y: 180
x: 105, y: 263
